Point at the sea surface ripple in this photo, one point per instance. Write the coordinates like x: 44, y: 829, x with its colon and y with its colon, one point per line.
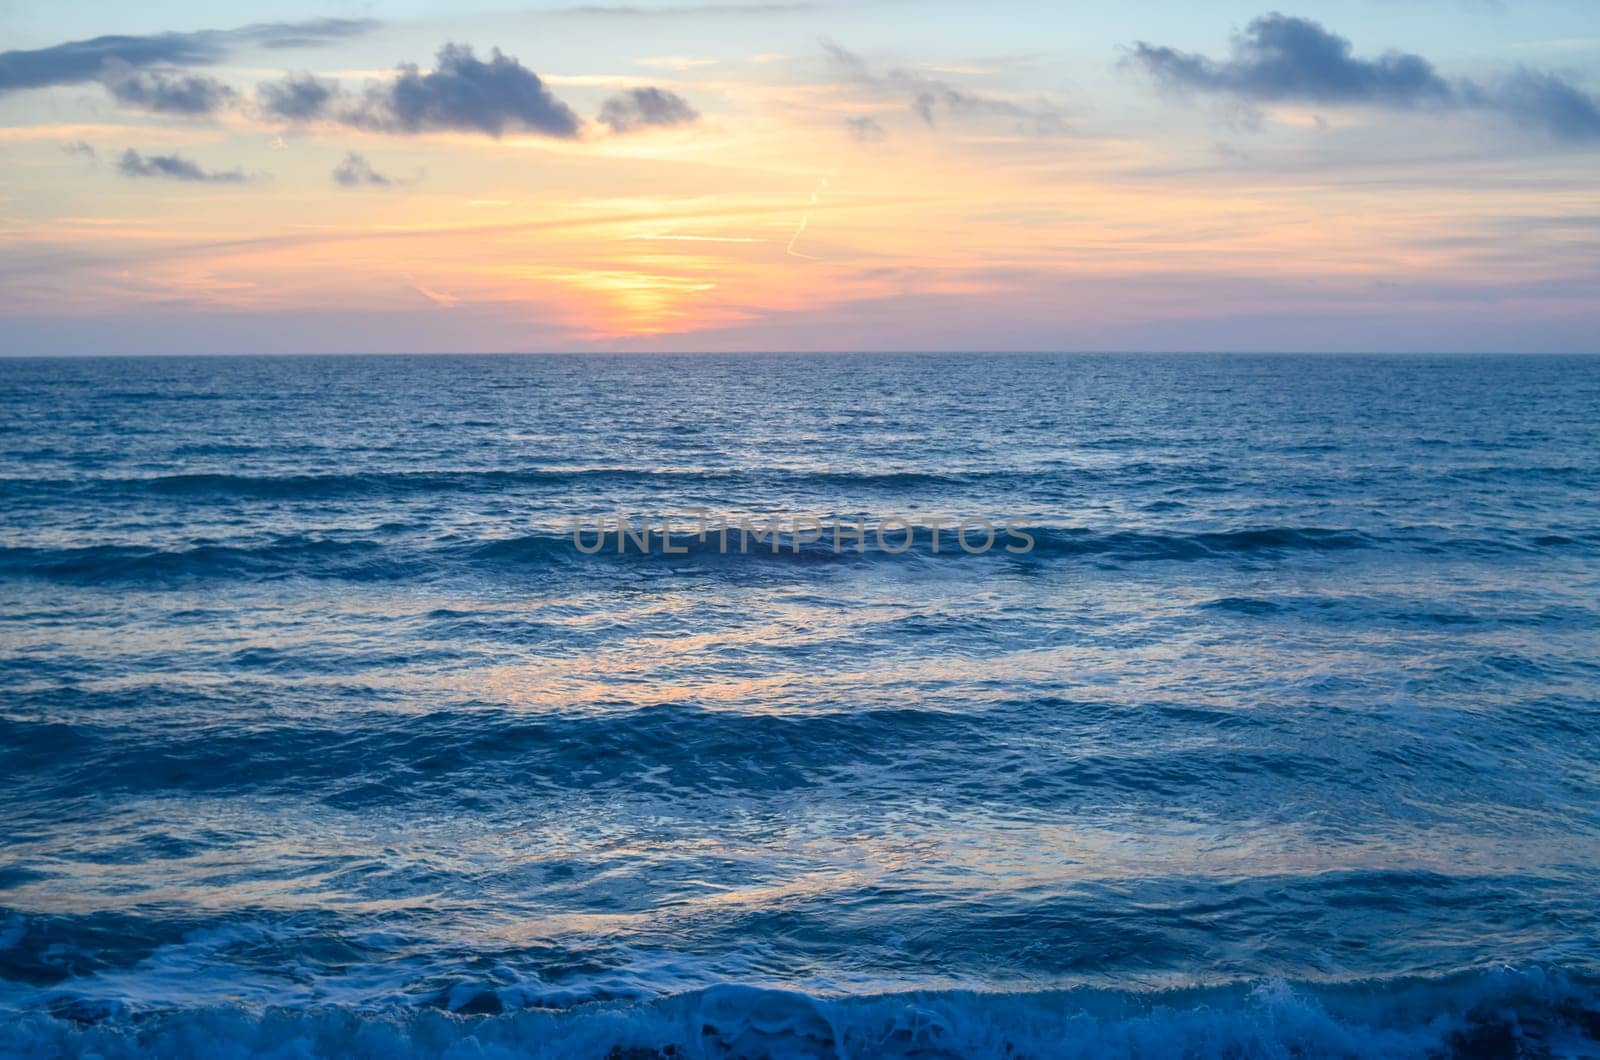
x: 320, y: 736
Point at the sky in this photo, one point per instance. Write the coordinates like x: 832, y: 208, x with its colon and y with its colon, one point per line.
x: 799, y: 175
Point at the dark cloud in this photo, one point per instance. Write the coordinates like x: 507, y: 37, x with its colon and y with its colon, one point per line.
x: 866, y: 130
x: 297, y: 97
x: 1545, y: 100
x: 930, y: 98
x: 1284, y: 59
x: 462, y: 92
x: 643, y: 108
x: 1279, y: 58
x: 79, y: 61
x: 172, y: 167
x: 80, y: 147
x: 76, y: 62
x: 356, y: 172
x: 465, y: 93
x: 187, y: 94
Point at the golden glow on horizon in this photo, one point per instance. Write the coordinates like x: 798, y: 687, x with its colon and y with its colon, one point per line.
x: 766, y: 213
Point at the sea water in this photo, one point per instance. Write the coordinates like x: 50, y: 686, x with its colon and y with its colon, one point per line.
x: 320, y: 734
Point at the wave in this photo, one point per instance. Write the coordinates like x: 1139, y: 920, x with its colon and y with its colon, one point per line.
x: 191, y: 743
x: 374, y: 559
x: 283, y: 556
x: 1135, y: 545
x: 1531, y: 1012
x: 331, y: 486
x: 550, y: 752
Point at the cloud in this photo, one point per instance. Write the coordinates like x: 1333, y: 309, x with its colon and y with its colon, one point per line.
x: 79, y: 61
x: 643, y: 108
x: 1284, y: 59
x: 1560, y: 108
x: 355, y: 172
x: 1279, y: 58
x: 465, y: 93
x: 311, y: 33
x: 866, y: 130
x: 173, y: 167
x: 461, y: 93
x: 76, y: 62
x: 297, y: 97
x: 190, y: 95
x: 930, y: 98
x: 80, y: 147
x: 438, y: 298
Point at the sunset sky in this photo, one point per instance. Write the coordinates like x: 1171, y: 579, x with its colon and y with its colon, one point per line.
x: 661, y: 175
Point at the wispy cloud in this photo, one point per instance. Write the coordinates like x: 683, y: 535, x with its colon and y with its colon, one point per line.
x: 866, y: 130
x: 932, y: 99
x: 438, y: 298
x: 174, y: 167
x: 643, y: 108
x: 356, y: 172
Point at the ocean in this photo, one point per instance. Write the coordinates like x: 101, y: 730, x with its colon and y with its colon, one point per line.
x: 334, y: 722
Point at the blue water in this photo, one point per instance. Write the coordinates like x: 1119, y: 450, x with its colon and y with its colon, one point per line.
x: 319, y: 736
